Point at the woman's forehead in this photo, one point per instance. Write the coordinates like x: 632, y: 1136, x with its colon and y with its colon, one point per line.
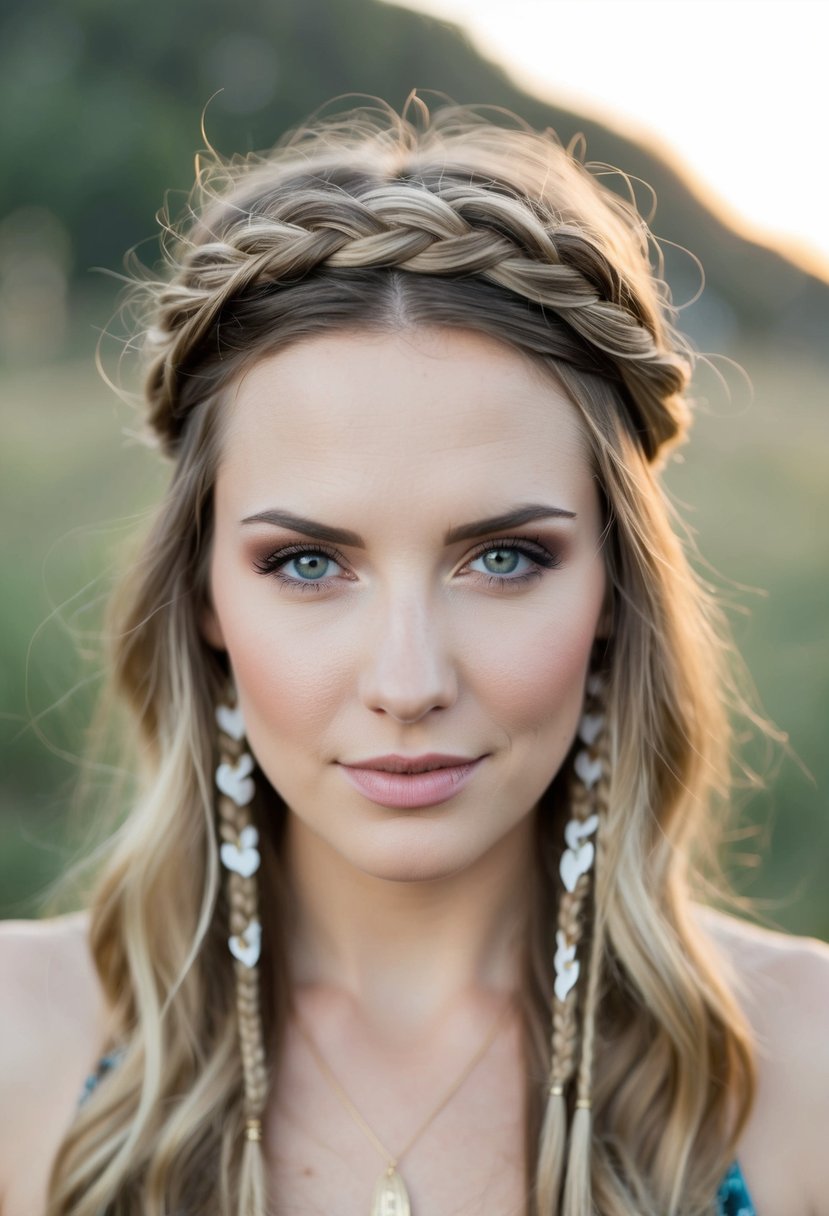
x: 438, y: 408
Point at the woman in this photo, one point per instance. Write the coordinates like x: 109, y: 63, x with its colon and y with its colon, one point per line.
x: 432, y: 715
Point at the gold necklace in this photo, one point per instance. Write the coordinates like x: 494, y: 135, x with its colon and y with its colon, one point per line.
x: 390, y: 1195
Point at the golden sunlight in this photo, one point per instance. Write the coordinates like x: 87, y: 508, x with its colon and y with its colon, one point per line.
x: 733, y: 91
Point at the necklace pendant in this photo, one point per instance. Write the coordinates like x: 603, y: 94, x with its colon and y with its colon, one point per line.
x: 390, y: 1196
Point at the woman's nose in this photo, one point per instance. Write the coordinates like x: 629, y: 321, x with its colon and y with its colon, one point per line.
x: 408, y: 669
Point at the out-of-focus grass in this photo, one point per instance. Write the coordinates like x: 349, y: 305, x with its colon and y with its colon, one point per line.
x: 74, y: 489
x: 753, y: 486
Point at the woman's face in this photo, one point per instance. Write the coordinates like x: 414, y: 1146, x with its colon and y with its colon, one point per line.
x: 372, y: 631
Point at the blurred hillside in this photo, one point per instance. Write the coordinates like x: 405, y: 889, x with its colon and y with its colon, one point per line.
x: 100, y: 106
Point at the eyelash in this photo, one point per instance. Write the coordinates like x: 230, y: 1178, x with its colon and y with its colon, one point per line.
x: 531, y: 548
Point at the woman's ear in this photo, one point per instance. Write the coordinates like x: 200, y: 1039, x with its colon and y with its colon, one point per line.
x: 211, y: 629
x: 604, y: 629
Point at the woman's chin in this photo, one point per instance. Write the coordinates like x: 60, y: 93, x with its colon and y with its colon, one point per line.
x: 416, y: 849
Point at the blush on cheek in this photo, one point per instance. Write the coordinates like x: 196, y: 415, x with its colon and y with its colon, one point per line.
x: 547, y: 716
x: 287, y: 693
x: 538, y: 673
x: 290, y: 692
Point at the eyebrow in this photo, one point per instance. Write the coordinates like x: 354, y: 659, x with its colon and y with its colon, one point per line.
x: 512, y: 518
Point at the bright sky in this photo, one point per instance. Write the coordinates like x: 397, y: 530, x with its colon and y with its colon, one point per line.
x: 730, y: 86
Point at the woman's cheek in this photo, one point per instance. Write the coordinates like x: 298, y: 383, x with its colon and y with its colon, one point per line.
x: 285, y: 683
x: 534, y: 668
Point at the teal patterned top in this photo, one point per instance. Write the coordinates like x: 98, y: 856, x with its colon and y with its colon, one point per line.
x: 733, y: 1198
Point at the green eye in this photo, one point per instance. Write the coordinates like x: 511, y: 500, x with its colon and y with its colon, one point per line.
x: 312, y: 564
x: 501, y: 561
x: 311, y: 567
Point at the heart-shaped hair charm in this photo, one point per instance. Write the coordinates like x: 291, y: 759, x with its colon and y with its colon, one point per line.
x: 574, y: 863
x: 595, y: 684
x: 242, y: 857
x: 566, y: 966
x: 565, y: 980
x: 231, y: 721
x: 587, y: 769
x: 246, y: 947
x: 590, y: 728
x: 577, y: 831
x: 235, y: 780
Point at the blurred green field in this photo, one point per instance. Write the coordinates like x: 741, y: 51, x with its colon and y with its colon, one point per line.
x: 754, y: 488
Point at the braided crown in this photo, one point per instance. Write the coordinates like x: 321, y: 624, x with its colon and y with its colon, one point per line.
x: 461, y: 199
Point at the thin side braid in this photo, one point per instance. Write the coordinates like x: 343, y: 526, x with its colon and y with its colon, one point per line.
x: 243, y: 908
x: 577, y: 1198
x: 564, y: 1053
x: 591, y: 995
x: 565, y: 1031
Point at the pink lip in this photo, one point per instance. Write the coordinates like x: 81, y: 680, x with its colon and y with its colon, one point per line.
x: 407, y: 790
x: 404, y: 764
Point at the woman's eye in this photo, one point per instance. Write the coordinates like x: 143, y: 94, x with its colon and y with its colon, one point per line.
x: 513, y: 564
x: 504, y: 561
x: 303, y: 568
x: 313, y: 566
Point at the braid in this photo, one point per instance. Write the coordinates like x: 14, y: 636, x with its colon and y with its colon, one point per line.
x: 571, y: 925
x: 242, y: 901
x: 588, y: 799
x: 577, y: 1197
x: 591, y: 997
x: 465, y: 230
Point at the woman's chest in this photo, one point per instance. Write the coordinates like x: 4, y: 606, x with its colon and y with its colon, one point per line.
x: 469, y: 1167
x: 327, y: 1150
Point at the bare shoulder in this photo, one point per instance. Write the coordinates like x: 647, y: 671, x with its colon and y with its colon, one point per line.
x: 764, y: 946
x: 47, y: 967
x: 782, y: 983
x: 784, y: 977
x: 52, y: 1017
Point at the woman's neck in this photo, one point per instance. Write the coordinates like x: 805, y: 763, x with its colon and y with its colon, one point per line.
x: 407, y: 951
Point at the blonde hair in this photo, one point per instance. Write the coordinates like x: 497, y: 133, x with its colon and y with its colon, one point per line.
x: 641, y: 1080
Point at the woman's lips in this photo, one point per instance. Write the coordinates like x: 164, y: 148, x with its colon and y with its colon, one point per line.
x: 408, y: 790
